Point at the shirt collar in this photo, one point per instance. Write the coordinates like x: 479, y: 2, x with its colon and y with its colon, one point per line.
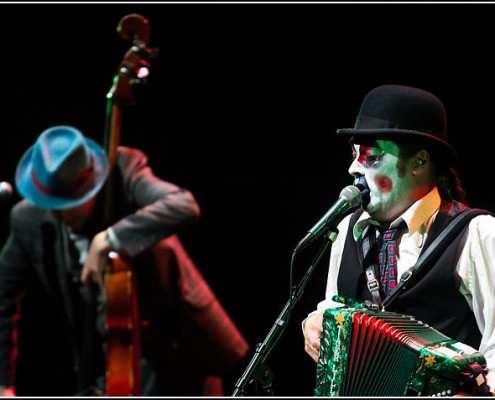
x: 418, y: 215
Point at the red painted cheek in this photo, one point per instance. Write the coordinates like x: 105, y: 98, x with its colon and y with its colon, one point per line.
x: 383, y: 183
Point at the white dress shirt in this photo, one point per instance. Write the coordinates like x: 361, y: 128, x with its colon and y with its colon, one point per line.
x: 476, y: 264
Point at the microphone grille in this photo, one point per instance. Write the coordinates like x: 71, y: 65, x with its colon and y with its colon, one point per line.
x: 352, y: 194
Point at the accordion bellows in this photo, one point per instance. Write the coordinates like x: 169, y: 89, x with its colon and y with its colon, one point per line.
x: 368, y: 352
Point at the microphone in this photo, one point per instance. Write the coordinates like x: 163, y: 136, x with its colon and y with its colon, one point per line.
x: 349, y: 198
x: 6, y: 191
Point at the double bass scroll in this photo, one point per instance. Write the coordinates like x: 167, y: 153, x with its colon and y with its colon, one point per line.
x: 132, y: 71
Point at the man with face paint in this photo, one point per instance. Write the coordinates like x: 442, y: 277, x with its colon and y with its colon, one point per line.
x: 405, y: 169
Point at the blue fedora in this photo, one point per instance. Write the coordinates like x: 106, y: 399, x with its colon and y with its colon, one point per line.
x: 63, y: 169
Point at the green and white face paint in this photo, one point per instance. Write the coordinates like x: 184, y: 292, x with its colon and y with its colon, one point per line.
x: 391, y: 191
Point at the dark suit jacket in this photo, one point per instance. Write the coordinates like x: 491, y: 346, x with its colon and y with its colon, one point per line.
x: 187, y: 335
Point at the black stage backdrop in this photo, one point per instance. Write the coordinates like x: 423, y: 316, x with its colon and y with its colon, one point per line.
x: 241, y: 107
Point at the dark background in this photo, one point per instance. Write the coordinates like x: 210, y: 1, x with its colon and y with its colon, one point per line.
x: 241, y: 107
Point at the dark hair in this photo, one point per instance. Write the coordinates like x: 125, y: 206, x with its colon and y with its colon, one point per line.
x: 448, y: 180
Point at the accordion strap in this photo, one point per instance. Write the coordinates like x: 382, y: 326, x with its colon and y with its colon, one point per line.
x: 373, y: 285
x: 369, y: 248
x: 425, y: 261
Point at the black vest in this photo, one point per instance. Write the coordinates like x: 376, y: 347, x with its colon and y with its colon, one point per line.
x: 435, y: 298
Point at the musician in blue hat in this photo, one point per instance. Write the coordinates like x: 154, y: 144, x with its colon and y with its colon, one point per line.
x: 52, y: 270
x: 406, y: 172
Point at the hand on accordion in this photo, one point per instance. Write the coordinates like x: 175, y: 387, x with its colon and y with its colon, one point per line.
x: 312, y: 330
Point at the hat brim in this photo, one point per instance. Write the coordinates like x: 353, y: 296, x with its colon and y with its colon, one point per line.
x: 27, y: 189
x: 400, y: 135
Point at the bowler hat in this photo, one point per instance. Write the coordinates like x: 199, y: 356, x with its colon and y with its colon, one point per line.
x: 63, y: 169
x: 402, y: 113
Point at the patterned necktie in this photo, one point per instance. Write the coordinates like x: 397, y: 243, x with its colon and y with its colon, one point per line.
x: 387, y: 258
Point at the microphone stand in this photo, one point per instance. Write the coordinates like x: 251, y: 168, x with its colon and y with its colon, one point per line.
x: 257, y: 370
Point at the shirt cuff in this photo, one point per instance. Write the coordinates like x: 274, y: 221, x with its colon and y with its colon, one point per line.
x: 113, y: 240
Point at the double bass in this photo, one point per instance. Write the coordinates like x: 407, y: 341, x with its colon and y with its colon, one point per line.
x: 122, y: 322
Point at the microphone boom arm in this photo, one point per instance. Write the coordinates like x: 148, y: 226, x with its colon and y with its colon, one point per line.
x: 256, y: 369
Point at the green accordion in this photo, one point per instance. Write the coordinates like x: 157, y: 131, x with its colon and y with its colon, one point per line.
x: 368, y: 352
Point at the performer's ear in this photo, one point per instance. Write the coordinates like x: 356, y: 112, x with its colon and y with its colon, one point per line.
x: 421, y: 159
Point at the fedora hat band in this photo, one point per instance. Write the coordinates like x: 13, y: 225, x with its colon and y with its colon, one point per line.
x: 68, y: 189
x: 364, y: 122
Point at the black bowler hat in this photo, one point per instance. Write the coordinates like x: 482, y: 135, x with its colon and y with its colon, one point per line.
x: 402, y: 113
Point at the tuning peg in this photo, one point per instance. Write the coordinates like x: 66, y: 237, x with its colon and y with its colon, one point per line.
x: 140, y: 49
x: 151, y: 54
